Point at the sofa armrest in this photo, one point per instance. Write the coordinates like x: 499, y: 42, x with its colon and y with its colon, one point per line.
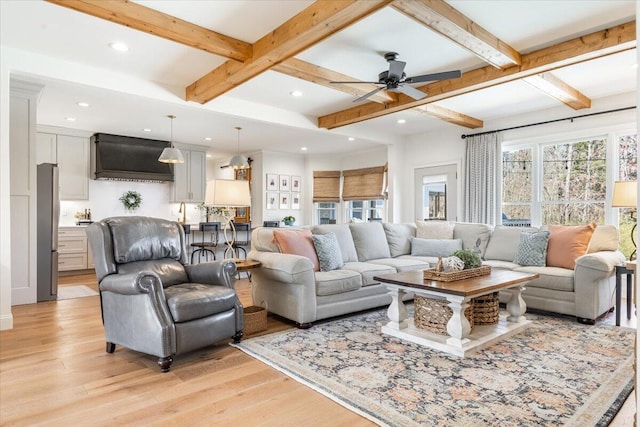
x: 604, y: 261
x: 285, y: 268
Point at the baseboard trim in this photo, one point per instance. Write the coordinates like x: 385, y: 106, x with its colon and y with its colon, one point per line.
x: 6, y: 322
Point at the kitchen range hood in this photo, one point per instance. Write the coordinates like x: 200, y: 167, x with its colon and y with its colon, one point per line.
x: 126, y: 158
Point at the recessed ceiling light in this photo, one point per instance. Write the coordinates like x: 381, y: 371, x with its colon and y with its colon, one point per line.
x: 119, y: 46
x: 402, y: 121
x: 296, y: 93
x: 209, y: 155
x: 303, y: 148
x: 351, y: 138
x: 146, y: 130
x: 207, y: 138
x: 70, y: 119
x: 83, y: 104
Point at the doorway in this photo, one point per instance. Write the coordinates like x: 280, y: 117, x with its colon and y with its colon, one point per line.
x: 436, y: 190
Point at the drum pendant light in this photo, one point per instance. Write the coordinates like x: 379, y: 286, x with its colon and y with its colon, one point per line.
x: 238, y: 161
x: 171, y: 154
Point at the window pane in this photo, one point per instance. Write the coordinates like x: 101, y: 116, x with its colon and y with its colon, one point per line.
x: 573, y: 213
x: 628, y: 171
x: 516, y: 215
x: 516, y: 175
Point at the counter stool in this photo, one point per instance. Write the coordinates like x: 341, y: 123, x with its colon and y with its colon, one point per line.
x: 242, y: 240
x: 204, y: 247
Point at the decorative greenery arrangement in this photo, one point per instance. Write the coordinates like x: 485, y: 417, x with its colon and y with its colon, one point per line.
x: 289, y: 219
x: 470, y: 258
x: 210, y: 210
x: 131, y: 200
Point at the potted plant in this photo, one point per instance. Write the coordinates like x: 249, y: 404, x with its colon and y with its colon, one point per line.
x: 289, y: 220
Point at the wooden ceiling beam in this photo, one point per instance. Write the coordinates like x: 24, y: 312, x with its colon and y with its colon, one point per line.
x: 444, y: 19
x: 315, y: 23
x: 450, y: 116
x: 314, y: 73
x: 598, y: 44
x: 556, y: 88
x: 159, y: 24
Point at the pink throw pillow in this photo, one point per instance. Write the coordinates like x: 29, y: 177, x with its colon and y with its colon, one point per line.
x: 297, y: 242
x: 567, y: 243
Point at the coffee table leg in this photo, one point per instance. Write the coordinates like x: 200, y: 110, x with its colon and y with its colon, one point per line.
x: 397, y: 312
x: 516, y: 305
x: 458, y: 326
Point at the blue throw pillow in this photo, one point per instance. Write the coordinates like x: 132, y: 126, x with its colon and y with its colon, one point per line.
x: 532, y: 249
x: 434, y: 247
x: 328, y: 250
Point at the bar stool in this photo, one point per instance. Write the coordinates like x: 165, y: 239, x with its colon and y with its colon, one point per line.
x: 203, y: 247
x: 245, y: 227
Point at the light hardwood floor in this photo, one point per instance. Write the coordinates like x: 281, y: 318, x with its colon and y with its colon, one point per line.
x: 54, y: 371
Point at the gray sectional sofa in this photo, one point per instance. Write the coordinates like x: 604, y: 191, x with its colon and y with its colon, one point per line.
x: 289, y: 287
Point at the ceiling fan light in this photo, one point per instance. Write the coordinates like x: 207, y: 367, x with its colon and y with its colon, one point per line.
x: 239, y: 162
x: 171, y: 155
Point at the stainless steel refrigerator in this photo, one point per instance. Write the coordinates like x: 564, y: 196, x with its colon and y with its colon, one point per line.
x: 48, y: 208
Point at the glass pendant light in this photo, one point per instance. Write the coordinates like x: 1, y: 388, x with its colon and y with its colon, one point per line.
x: 171, y: 154
x: 238, y: 161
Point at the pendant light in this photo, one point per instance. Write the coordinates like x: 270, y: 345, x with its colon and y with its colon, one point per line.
x: 171, y: 154
x: 238, y: 161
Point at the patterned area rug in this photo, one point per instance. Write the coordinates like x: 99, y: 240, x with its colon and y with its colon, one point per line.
x: 78, y: 291
x: 555, y: 373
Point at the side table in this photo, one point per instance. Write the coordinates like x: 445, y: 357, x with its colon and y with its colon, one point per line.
x: 246, y: 265
x: 628, y: 270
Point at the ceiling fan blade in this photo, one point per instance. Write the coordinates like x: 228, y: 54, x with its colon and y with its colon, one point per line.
x: 370, y: 83
x: 435, y: 76
x: 367, y: 95
x: 396, y: 68
x: 410, y: 91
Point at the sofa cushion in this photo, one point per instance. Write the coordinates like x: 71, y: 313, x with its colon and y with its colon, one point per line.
x: 504, y: 242
x: 368, y: 270
x: 434, y: 247
x: 190, y: 301
x: 370, y: 241
x: 337, y: 281
x: 473, y: 235
x: 555, y: 278
x: 297, y: 242
x: 434, y: 229
x: 345, y: 240
x: 398, y: 236
x: 403, y: 264
x: 567, y: 243
x: 431, y: 260
x: 604, y: 238
x: 506, y: 265
x: 328, y: 251
x: 532, y: 249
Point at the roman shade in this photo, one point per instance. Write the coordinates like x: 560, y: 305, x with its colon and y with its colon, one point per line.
x: 326, y: 186
x: 363, y: 184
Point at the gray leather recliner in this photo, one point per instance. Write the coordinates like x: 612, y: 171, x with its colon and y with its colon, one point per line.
x: 152, y: 301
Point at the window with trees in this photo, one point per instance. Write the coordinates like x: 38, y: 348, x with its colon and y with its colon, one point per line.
x: 327, y: 212
x: 627, y: 171
x: 517, y: 186
x: 365, y: 210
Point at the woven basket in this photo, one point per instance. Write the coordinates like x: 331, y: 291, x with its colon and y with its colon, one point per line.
x: 441, y: 276
x: 255, y: 319
x: 433, y: 314
x: 486, y: 309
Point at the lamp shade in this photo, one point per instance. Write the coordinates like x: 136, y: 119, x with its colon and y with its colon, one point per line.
x: 239, y: 162
x: 171, y: 155
x: 227, y: 193
x: 625, y: 194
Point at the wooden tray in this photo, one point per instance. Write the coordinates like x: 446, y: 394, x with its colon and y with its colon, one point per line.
x: 441, y: 276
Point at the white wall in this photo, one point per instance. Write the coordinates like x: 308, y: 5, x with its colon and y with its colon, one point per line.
x: 6, y: 318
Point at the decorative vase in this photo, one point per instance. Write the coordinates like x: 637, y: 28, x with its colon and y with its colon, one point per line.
x: 288, y: 223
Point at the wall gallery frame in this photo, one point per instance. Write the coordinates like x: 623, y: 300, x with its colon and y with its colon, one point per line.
x: 285, y: 182
x: 295, y: 183
x: 272, y: 182
x: 284, y: 200
x: 272, y: 200
x: 295, y: 200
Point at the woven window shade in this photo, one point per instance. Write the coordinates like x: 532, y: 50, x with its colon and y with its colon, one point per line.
x: 363, y: 184
x: 326, y: 186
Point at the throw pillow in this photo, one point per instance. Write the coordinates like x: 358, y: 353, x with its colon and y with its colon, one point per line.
x: 568, y: 242
x: 434, y: 247
x: 328, y: 251
x: 604, y: 238
x: 532, y: 249
x: 434, y: 229
x: 297, y: 242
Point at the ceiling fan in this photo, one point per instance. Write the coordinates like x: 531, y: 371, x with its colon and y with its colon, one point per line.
x: 395, y: 79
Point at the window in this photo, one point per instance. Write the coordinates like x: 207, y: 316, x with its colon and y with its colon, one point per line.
x: 517, y: 187
x: 365, y: 210
x: 327, y: 212
x: 627, y: 171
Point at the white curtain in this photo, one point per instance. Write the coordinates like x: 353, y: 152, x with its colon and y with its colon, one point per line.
x: 483, y: 179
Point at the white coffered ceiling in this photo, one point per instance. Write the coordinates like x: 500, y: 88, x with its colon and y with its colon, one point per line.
x: 67, y: 51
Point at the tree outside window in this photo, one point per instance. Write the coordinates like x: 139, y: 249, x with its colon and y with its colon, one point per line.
x: 627, y: 171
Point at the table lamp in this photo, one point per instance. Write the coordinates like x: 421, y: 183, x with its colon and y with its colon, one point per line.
x: 228, y: 195
x: 625, y: 195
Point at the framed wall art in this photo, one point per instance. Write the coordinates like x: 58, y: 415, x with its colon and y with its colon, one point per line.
x: 295, y: 183
x: 272, y: 200
x: 285, y: 184
x: 272, y: 182
x: 295, y: 200
x: 284, y: 200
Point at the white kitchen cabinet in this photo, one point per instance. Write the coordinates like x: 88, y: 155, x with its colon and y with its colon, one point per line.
x: 71, y: 153
x: 190, y: 177
x: 73, y: 249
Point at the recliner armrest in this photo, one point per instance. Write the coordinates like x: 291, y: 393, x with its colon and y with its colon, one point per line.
x: 218, y: 272
x: 131, y: 283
